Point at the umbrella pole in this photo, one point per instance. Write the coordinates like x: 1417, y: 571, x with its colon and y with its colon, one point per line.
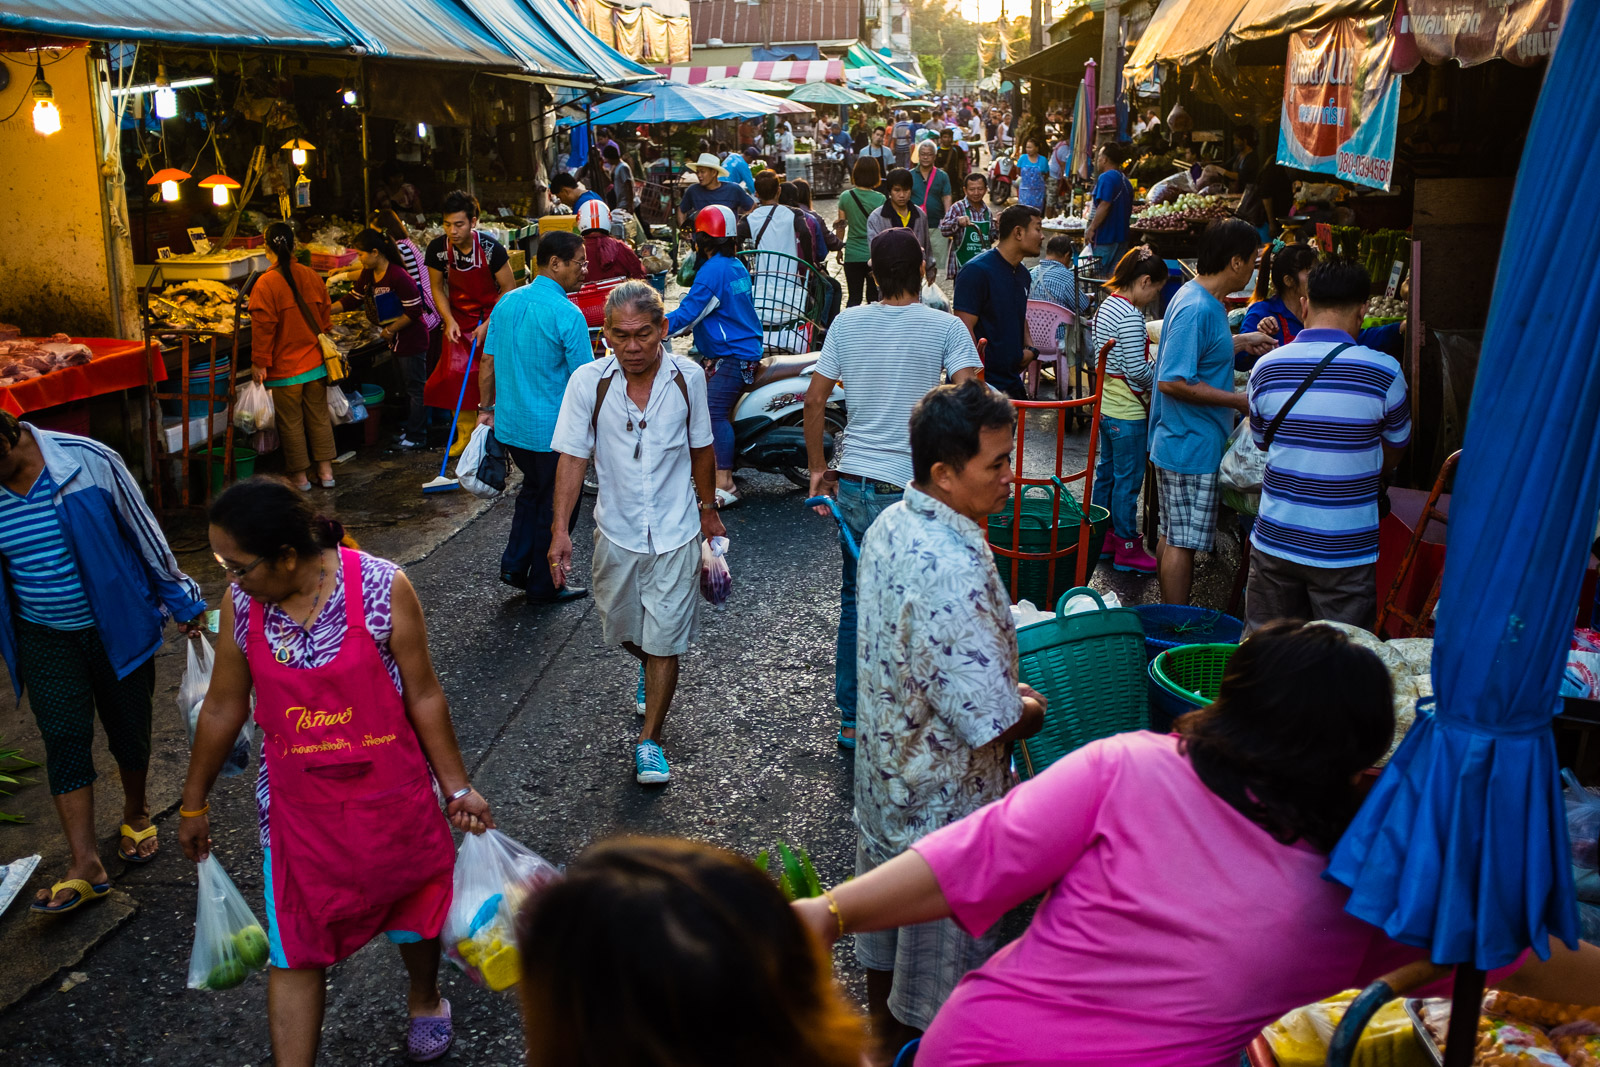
x: 1466, y: 1003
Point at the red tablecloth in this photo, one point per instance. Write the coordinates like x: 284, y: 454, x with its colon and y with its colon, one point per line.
x: 117, y: 365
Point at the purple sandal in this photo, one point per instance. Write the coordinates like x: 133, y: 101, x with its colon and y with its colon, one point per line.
x: 429, y: 1036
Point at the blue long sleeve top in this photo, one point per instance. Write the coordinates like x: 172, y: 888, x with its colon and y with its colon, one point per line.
x: 1381, y: 338
x: 721, y: 311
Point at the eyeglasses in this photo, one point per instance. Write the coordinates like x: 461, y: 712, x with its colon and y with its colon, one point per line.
x: 239, y: 572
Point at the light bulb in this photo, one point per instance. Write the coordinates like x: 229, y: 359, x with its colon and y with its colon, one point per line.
x: 46, y: 119
x: 169, y: 190
x: 350, y: 97
x: 166, y: 103
x: 219, y: 195
x: 298, y: 157
x: 422, y: 129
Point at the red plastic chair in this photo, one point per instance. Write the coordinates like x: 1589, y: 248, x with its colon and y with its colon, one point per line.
x: 1044, y: 327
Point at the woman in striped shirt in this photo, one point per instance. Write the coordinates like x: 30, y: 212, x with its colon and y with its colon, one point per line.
x: 1124, y: 410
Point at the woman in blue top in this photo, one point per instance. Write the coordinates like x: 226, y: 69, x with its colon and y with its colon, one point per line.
x: 1278, y: 315
x: 721, y: 310
x: 1032, y: 172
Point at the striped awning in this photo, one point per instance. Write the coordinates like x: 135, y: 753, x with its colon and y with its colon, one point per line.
x: 785, y: 70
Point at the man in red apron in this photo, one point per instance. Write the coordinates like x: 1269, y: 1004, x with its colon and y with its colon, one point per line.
x: 468, y: 271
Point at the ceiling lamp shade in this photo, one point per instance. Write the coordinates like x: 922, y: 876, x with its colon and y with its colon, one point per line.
x: 219, y: 184
x: 297, y: 148
x: 168, y: 179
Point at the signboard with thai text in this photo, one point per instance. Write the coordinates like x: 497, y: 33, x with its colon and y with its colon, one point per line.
x: 1341, y: 102
x: 1523, y: 32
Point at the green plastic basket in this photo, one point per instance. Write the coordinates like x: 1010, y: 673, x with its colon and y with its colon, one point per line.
x: 1033, y: 535
x: 1090, y: 667
x: 1193, y: 672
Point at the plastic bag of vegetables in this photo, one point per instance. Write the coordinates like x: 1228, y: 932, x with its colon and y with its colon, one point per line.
x: 494, y: 875
x: 192, y: 697
x: 228, y: 941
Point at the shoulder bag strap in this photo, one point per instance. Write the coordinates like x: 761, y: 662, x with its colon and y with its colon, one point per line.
x: 688, y: 408
x: 1277, y: 421
x: 764, y: 224
x: 311, y: 322
x: 601, y: 388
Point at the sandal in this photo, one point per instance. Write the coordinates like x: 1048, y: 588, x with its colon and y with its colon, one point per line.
x: 85, y: 891
x: 138, y: 837
x: 727, y: 498
x: 846, y: 724
x: 429, y: 1036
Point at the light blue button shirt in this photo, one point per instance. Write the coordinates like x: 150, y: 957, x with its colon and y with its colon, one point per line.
x: 538, y: 337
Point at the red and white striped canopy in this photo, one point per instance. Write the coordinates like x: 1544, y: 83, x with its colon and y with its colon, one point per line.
x: 784, y: 70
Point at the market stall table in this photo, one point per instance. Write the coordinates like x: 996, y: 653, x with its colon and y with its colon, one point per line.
x: 115, y: 365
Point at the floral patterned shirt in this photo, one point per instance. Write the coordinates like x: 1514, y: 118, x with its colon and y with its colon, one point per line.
x: 937, y: 656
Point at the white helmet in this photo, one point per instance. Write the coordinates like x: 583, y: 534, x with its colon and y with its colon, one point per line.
x: 594, y: 215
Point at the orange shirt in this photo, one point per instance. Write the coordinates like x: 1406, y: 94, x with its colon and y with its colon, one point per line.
x: 280, y: 340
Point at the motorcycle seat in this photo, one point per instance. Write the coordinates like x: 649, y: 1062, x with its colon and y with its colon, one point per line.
x: 781, y: 367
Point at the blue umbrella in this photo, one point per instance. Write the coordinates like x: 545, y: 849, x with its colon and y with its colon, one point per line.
x: 676, y: 102
x: 1462, y: 846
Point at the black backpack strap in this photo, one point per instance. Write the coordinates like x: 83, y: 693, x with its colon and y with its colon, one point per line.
x: 1277, y: 421
x: 601, y: 388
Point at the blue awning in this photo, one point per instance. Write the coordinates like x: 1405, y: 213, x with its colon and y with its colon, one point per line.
x: 609, y: 65
x: 215, y: 23
x: 433, y: 31
x: 524, y: 34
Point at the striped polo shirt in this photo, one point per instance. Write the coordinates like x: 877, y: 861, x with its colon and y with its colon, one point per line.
x: 1319, y: 499
x: 44, y: 576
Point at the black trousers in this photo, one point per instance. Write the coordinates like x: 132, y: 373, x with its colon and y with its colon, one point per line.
x: 855, y: 274
x: 527, y: 552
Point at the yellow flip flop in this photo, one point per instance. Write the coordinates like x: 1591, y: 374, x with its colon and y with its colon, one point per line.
x: 138, y: 837
x: 84, y: 890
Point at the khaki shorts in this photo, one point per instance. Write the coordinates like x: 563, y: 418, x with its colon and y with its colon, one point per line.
x: 1283, y: 589
x: 645, y: 599
x: 927, y: 959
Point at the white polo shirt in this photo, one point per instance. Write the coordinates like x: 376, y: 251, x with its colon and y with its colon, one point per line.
x: 645, y: 504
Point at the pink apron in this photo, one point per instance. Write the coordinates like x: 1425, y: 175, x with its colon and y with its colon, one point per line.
x: 359, y: 845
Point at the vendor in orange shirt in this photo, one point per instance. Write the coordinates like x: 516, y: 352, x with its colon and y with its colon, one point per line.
x: 608, y: 257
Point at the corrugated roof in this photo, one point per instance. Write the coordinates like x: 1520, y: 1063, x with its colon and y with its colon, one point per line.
x: 434, y: 31
x: 236, y: 23
x: 778, y: 21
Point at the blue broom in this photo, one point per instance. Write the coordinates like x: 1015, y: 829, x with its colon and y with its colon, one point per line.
x: 442, y: 484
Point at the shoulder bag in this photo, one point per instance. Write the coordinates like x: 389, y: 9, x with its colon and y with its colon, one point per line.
x: 333, y: 360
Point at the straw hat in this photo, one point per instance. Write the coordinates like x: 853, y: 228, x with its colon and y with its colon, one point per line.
x: 710, y: 162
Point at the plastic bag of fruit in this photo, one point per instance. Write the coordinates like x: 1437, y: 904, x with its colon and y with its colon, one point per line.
x: 494, y: 875
x: 228, y: 941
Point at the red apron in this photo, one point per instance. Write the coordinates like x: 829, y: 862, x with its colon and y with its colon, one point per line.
x: 473, y: 292
x: 359, y: 845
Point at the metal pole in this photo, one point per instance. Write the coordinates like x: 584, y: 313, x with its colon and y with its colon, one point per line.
x: 1110, y: 71
x: 366, y: 164
x: 466, y: 143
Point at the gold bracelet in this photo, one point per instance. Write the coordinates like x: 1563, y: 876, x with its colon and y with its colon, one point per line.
x: 194, y: 814
x: 833, y: 906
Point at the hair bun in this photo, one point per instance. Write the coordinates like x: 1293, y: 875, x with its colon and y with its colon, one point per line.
x: 329, y: 531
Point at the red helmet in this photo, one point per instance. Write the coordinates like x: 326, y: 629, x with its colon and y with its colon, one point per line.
x: 714, y: 220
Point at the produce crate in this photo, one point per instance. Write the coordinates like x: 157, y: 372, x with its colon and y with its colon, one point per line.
x: 1038, y: 510
x: 252, y: 241
x: 568, y: 223
x: 323, y: 261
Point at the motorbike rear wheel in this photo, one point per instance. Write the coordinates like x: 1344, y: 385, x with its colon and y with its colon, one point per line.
x: 833, y: 422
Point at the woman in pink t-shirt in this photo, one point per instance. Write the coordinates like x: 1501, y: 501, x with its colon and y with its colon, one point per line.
x: 1184, y: 905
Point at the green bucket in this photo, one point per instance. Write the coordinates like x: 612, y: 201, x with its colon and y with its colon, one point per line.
x: 244, y: 466
x: 1193, y: 672
x: 1033, y: 535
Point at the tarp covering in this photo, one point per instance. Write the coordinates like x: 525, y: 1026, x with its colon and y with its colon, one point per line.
x: 861, y: 57
x: 1062, y: 63
x: 1462, y: 845
x: 672, y: 102
x: 788, y: 51
x: 430, y: 31
x: 524, y: 35
x: 1476, y: 31
x: 608, y: 66
x: 1180, y: 30
x: 783, y: 70
x: 1272, y: 18
x: 236, y: 23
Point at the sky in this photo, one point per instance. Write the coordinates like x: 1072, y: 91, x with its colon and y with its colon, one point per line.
x: 989, y: 10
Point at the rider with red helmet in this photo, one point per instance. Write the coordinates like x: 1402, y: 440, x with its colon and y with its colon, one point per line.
x: 608, y: 257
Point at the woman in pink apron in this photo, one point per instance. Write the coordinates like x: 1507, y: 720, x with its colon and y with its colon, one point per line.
x: 356, y: 732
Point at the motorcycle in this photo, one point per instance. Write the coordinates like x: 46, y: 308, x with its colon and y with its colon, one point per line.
x: 768, y: 420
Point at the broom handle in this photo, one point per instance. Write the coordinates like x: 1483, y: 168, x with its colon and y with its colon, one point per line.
x: 466, y: 376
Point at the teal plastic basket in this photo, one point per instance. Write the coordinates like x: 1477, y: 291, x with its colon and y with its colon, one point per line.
x: 1090, y: 667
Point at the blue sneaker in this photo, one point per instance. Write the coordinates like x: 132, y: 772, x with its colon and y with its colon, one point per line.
x: 650, y: 764
x: 638, y: 694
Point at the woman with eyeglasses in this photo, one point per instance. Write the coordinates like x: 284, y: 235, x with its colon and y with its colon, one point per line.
x: 87, y: 584
x: 356, y: 732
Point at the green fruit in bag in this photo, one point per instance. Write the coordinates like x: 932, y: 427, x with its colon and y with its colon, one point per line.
x: 227, y: 974
x: 251, y: 942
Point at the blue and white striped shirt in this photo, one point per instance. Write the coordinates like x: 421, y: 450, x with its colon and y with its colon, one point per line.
x: 1319, y: 499
x: 44, y: 576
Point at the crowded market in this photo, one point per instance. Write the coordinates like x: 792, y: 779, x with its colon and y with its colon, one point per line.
x: 465, y: 381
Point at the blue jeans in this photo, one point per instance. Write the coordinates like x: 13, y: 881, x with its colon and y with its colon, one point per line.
x: 860, y: 503
x: 722, y: 393
x: 1119, y: 472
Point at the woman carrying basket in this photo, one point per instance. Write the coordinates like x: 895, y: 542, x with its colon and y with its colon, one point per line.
x: 356, y: 732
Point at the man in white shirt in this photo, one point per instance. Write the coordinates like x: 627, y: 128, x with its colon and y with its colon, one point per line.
x: 887, y: 355
x: 642, y: 415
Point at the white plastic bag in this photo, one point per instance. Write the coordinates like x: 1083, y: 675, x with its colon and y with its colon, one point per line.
x: 1244, y: 466
x: 253, y: 412
x: 494, y: 875
x: 1026, y: 613
x: 192, y: 697
x: 1081, y: 603
x: 338, y: 406
x: 716, y: 581
x: 482, y: 470
x: 934, y: 297
x: 228, y: 941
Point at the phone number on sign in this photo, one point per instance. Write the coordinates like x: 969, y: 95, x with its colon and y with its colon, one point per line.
x: 1372, y: 167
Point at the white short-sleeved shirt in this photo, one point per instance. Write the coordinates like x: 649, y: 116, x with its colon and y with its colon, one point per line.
x: 646, y: 504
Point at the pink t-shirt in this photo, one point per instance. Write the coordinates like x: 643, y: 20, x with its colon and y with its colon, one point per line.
x: 1172, y: 928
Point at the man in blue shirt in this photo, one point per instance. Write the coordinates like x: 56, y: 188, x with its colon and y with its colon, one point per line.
x: 739, y: 170
x: 1193, y: 408
x: 1107, y: 231
x: 992, y: 299
x: 569, y: 192
x: 711, y: 189
x: 537, y: 337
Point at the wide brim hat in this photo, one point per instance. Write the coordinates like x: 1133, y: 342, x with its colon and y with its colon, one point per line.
x: 710, y: 162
